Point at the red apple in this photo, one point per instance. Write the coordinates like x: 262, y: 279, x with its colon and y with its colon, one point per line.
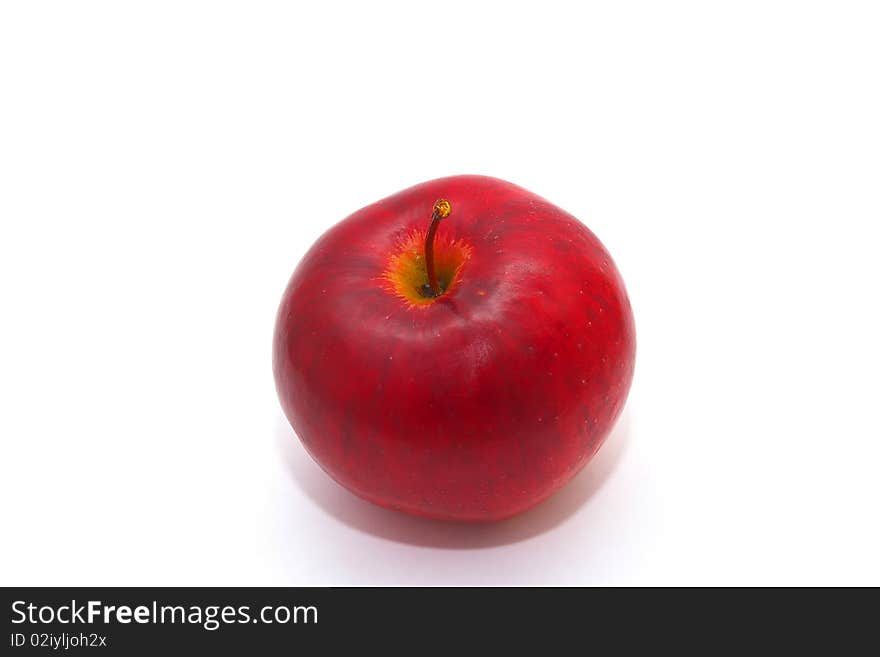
x: 472, y: 399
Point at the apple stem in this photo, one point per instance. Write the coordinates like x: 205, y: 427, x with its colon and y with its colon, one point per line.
x: 441, y: 210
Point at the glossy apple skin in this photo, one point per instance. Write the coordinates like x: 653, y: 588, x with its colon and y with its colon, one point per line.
x: 487, y: 401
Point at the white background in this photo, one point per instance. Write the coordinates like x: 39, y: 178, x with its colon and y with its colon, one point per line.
x: 164, y: 165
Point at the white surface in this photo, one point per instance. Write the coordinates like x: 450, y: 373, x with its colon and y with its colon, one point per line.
x: 164, y: 165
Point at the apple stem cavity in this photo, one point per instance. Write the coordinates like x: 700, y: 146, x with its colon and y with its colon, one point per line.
x: 441, y: 210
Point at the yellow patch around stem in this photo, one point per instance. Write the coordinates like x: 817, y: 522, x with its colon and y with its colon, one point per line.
x: 406, y: 277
